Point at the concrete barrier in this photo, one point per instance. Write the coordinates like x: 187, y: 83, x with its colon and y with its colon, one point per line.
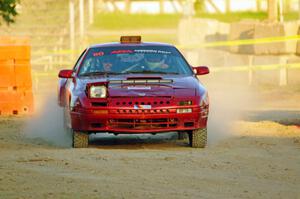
x: 195, y: 31
x: 239, y: 31
x: 265, y: 30
x: 254, y: 30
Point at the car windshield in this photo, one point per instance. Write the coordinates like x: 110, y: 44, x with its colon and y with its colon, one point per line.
x: 134, y: 59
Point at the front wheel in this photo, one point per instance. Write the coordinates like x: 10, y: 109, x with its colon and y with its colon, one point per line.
x: 80, y: 139
x: 198, y: 138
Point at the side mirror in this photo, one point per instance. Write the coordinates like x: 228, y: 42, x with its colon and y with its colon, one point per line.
x: 201, y: 70
x: 65, y: 74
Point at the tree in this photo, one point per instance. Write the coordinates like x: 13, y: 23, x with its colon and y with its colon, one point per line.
x: 273, y: 10
x: 8, y: 10
x: 199, y: 6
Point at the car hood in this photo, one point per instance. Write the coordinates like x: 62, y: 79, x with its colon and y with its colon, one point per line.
x: 178, y: 85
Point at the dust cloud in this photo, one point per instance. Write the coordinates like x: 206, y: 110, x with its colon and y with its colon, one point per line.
x: 47, y: 124
x: 229, y: 101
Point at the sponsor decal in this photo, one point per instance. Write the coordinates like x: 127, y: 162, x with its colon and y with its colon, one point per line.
x: 98, y: 54
x: 142, y: 94
x: 142, y: 107
x: 152, y: 51
x: 121, y: 51
x: 139, y: 87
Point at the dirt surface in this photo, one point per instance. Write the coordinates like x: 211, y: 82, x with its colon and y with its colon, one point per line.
x: 262, y: 160
x: 253, y: 152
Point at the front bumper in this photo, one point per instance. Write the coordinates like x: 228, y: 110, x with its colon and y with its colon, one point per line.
x: 129, y: 120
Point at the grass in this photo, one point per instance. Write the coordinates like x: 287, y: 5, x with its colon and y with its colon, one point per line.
x: 121, y: 21
x: 117, y: 21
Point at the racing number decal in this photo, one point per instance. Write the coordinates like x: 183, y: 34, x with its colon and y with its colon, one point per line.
x: 98, y: 54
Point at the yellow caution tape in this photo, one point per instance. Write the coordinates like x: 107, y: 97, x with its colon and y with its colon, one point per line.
x: 242, y: 42
x: 193, y: 46
x: 255, y: 67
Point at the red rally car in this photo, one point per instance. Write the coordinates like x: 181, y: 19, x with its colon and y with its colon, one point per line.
x: 133, y: 87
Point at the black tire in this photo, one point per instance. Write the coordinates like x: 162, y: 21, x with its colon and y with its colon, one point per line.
x: 198, y: 138
x: 80, y: 139
x: 182, y: 135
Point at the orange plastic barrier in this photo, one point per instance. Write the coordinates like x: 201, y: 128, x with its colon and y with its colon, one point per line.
x: 23, y: 74
x: 16, y: 97
x: 7, y: 76
x: 16, y: 102
x: 14, y: 52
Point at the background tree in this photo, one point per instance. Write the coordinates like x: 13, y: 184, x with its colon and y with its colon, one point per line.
x: 199, y: 6
x: 8, y: 10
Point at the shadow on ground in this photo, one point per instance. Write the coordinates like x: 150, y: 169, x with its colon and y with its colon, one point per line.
x: 165, y: 140
x: 284, y: 117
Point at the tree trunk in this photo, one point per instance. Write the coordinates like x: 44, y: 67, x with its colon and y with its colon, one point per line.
x: 161, y: 6
x: 272, y: 10
x: 258, y: 5
x: 127, y: 6
x: 227, y: 6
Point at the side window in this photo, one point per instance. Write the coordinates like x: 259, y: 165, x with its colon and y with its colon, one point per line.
x: 91, y: 64
x: 79, y: 60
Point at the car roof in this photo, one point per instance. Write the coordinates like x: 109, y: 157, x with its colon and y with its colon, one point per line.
x: 118, y: 44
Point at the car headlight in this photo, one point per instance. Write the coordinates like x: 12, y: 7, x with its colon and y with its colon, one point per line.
x: 98, y: 91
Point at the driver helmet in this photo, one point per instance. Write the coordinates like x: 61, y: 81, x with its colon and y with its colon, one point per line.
x: 154, y: 60
x: 107, y: 63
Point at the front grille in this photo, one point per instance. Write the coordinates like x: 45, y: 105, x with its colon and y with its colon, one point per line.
x: 99, y: 104
x: 130, y: 102
x: 139, y: 111
x: 188, y: 124
x: 96, y: 125
x: 141, y: 105
x: 143, y: 123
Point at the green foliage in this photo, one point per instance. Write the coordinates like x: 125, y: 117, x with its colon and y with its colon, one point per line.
x: 199, y: 6
x: 8, y: 10
x: 121, y: 21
